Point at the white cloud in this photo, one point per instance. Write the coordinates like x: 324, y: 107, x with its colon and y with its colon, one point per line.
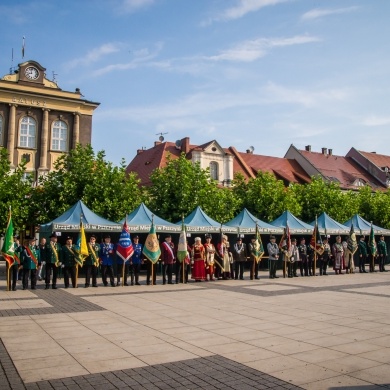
x: 242, y: 8
x: 130, y: 6
x: 249, y: 51
x: 141, y: 56
x: 372, y: 121
x: 321, y: 12
x: 95, y: 55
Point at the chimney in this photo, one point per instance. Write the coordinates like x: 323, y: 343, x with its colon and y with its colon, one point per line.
x: 185, y: 145
x: 157, y: 143
x: 330, y: 152
x: 139, y: 151
x: 308, y: 148
x: 324, y: 150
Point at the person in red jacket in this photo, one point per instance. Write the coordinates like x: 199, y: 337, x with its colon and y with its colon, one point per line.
x: 168, y: 256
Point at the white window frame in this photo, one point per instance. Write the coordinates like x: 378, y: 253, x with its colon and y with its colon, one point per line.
x: 59, y: 141
x: 27, y: 132
x: 214, y: 170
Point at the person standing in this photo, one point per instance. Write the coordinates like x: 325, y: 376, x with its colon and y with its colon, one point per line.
x: 30, y: 259
x: 294, y: 259
x: 14, y: 268
x: 239, y: 257
x: 303, y: 257
x: 68, y: 259
x: 210, y: 254
x: 325, y: 257
x: 107, y: 253
x: 338, y: 254
x: 136, y: 261
x: 92, y: 262
x: 224, y: 253
x: 254, y: 264
x: 168, y: 256
x: 363, y: 252
x: 273, y: 257
x: 198, y: 260
x: 382, y: 253
x: 52, y: 259
x: 42, y: 266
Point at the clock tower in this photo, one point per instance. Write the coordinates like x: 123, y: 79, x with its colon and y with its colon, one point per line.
x: 39, y: 121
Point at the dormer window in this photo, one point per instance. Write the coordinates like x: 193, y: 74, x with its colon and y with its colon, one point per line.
x: 359, y: 183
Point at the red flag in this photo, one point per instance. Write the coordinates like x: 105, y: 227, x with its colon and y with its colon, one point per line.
x: 125, y: 248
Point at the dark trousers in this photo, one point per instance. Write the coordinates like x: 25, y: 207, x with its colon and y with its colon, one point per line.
x: 292, y: 269
x: 167, y: 271
x: 13, y: 276
x: 254, y: 272
x: 232, y: 269
x: 151, y: 268
x: 239, y: 269
x: 179, y: 272
x: 272, y: 267
x: 108, y: 271
x: 119, y: 273
x: 90, y: 270
x: 381, y: 260
x: 70, y: 271
x: 134, y: 273
x: 49, y: 268
x: 33, y: 275
x: 323, y: 265
x: 362, y: 263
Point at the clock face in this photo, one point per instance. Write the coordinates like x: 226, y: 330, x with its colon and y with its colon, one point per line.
x: 31, y: 73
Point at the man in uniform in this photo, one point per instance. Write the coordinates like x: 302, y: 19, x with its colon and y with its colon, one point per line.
x: 92, y: 262
x: 382, y: 253
x: 41, y: 247
x: 136, y: 261
x: 273, y: 253
x: 107, y: 252
x: 168, y: 255
x: 304, y: 257
x: 30, y: 259
x: 15, y: 265
x: 363, y: 252
x: 52, y: 258
x: 325, y: 257
x: 239, y: 257
x: 68, y: 254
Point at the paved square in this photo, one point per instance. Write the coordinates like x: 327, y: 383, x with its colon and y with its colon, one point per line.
x: 314, y: 333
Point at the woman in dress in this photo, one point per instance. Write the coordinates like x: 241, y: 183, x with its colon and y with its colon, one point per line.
x: 198, y: 261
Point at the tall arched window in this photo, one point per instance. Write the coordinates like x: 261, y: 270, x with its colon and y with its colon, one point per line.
x: 59, y: 136
x: 1, y: 130
x: 214, y: 170
x: 27, y: 132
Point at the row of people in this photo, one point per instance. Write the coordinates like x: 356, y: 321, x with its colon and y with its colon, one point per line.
x: 206, y: 261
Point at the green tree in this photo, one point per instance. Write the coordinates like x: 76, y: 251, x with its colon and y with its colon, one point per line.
x: 82, y: 175
x: 15, y: 192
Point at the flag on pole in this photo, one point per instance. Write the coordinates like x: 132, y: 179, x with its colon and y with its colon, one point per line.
x: 372, y: 242
x: 316, y: 240
x: 152, y: 248
x: 258, y: 246
x: 182, y: 246
x: 125, y: 248
x: 81, y: 247
x: 352, y: 244
x: 23, y: 45
x: 286, y: 237
x: 8, y: 245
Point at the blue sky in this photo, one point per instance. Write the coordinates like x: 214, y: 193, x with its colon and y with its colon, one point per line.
x: 266, y: 73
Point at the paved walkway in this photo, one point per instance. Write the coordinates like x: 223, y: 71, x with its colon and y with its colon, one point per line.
x: 329, y: 332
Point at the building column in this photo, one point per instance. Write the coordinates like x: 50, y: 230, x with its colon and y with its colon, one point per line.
x: 76, y: 130
x: 44, y: 140
x: 11, y: 133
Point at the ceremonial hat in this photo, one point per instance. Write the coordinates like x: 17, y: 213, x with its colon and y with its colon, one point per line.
x: 302, y: 239
x: 69, y: 238
x: 382, y: 236
x: 135, y: 238
x: 362, y: 237
x: 293, y: 240
x: 253, y: 238
x: 54, y: 234
x: 107, y: 236
x: 325, y: 238
x: 239, y: 239
x: 208, y: 236
x: 272, y: 237
x: 17, y: 236
x: 30, y: 238
x: 93, y: 236
x: 168, y: 236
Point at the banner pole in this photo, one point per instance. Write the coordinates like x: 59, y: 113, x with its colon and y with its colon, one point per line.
x: 315, y: 263
x: 152, y: 266
x: 8, y: 277
x: 123, y: 273
x: 77, y: 275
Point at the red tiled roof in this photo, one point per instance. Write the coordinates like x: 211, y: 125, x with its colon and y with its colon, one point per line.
x: 283, y: 168
x: 380, y: 160
x: 341, y: 169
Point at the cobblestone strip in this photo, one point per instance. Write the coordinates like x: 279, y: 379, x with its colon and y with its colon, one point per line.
x: 210, y: 373
x: 60, y: 301
x: 9, y: 377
